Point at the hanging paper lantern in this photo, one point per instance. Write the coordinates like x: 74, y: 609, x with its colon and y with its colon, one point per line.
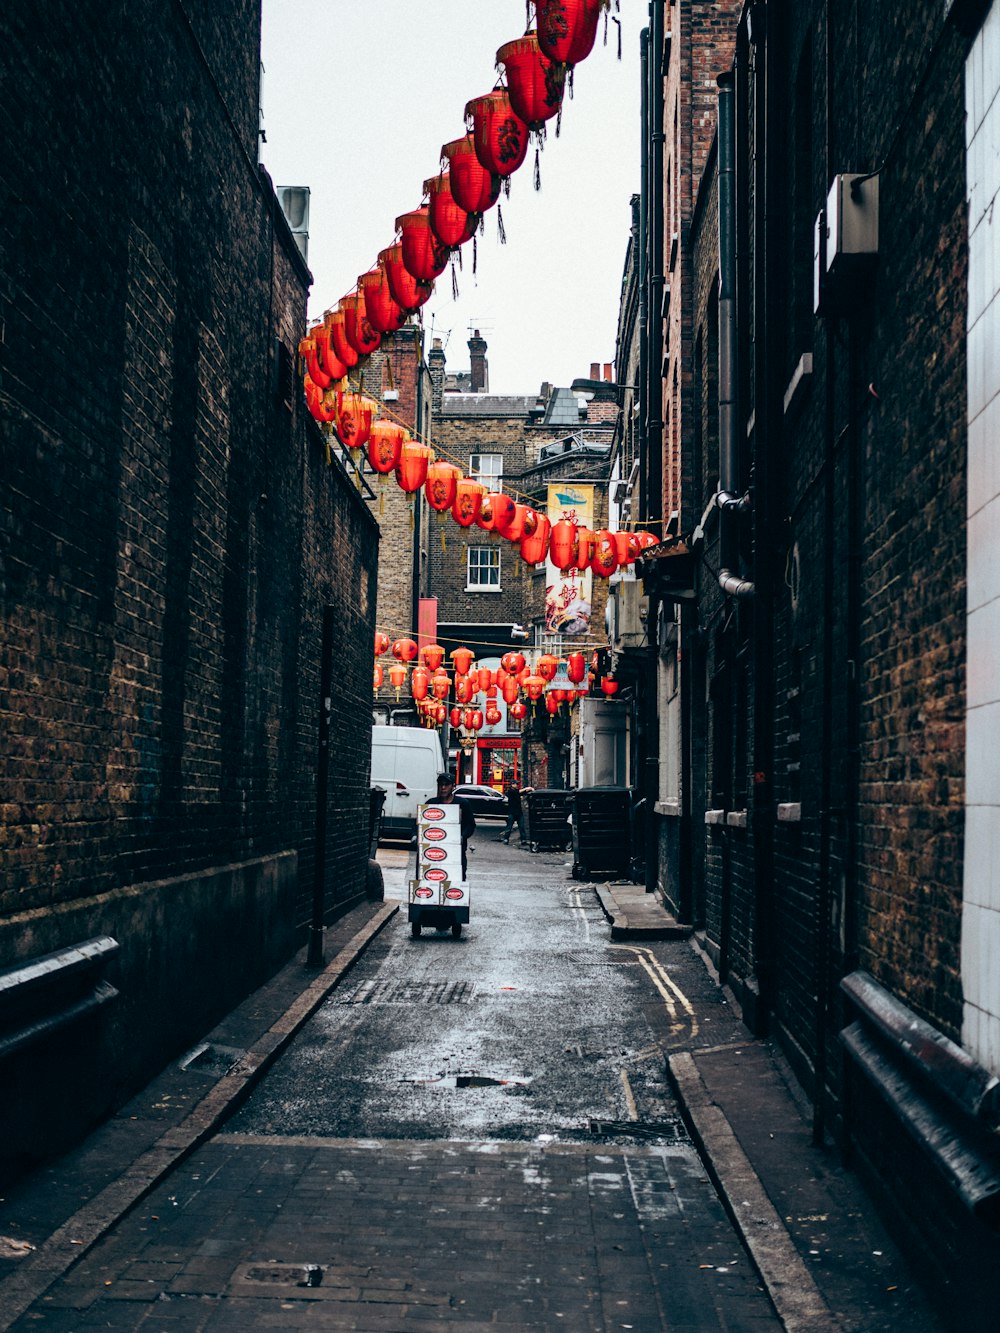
x: 357, y: 328
x: 468, y: 501
x: 420, y: 680
x: 308, y: 352
x: 499, y: 135
x: 518, y: 710
x: 491, y: 690
x: 493, y: 716
x: 534, y: 547
x: 473, y: 187
x: 404, y: 650
x: 551, y: 704
x: 567, y: 29
x: 534, y: 82
x: 451, y: 224
x: 535, y: 686
x: 514, y: 530
x: 385, y: 442
x: 477, y: 719
x: 338, y: 337
x: 510, y: 690
x: 440, y: 713
x: 423, y: 255
x: 576, y: 667
x: 455, y: 717
x: 605, y: 558
x: 462, y: 659
x: 440, y: 684
x: 383, y: 312
x: 523, y: 675
x: 432, y: 655
x: 354, y: 418
x: 322, y: 403
x: 381, y: 643
x: 502, y: 508
x: 644, y: 540
x: 441, y: 484
x: 609, y: 686
x: 584, y: 548
x: 484, y: 519
x: 328, y: 358
x: 406, y: 291
x: 397, y: 674
x: 547, y: 666
x: 512, y: 662
x: 378, y: 675
x: 562, y: 543
x: 414, y: 460
x: 465, y: 689
x: 625, y: 547
x: 484, y: 677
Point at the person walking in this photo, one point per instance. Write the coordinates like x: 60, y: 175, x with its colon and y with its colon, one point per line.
x: 515, y: 814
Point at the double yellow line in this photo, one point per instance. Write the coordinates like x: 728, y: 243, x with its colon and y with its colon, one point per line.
x: 678, y: 1006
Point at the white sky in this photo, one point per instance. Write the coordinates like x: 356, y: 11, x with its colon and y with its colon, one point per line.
x: 359, y: 96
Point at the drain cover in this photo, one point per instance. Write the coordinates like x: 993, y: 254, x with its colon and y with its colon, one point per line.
x: 411, y: 992
x: 646, y: 1129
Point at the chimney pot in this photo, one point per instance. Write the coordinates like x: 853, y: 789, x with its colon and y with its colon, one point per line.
x: 607, y: 371
x: 595, y: 370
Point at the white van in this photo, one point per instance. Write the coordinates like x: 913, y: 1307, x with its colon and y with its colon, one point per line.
x: 406, y: 761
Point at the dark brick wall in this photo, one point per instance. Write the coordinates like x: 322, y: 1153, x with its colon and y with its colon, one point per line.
x: 170, y: 530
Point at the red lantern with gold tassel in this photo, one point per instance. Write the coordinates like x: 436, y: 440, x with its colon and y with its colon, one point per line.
x: 605, y: 558
x: 512, y: 662
x: 465, y: 689
x: 576, y: 667
x: 432, y: 655
x: 514, y: 530
x: 338, y: 336
x: 378, y: 675
x: 450, y: 223
x: 502, y: 508
x: 468, y: 501
x: 440, y: 683
x: 567, y: 29
x: 551, y: 704
x: 414, y: 460
x: 385, y: 443
x: 484, y: 677
x: 462, y: 659
x: 534, y: 687
x: 625, y: 547
x: 547, y: 666
x: 441, y: 485
x: 423, y: 255
x: 308, y: 353
x: 455, y: 717
x: 518, y: 710
x: 322, y: 403
x: 381, y: 643
x: 404, y: 650
x: 562, y: 543
x: 609, y: 686
x: 328, y: 357
x: 384, y: 313
x: 510, y: 690
x: 354, y: 418
x: 484, y: 519
x: 584, y: 548
x: 499, y: 135
x: 357, y: 327
x: 420, y: 680
x: 534, y: 82
x: 535, y: 544
x: 493, y: 716
x: 406, y: 291
x: 397, y: 675
x: 476, y: 721
x: 473, y: 187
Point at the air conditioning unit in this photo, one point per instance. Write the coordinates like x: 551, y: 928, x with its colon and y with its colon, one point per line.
x: 294, y: 200
x: 845, y: 244
x: 625, y: 618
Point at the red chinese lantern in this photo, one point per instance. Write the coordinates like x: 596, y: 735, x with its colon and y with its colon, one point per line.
x: 328, y: 358
x: 625, y: 547
x: 420, y: 680
x: 567, y: 29
x: 383, y: 311
x: 534, y: 82
x: 510, y: 690
x: 559, y: 695
x: 584, y: 548
x: 605, y: 558
x: 322, y: 403
x: 307, y: 350
x: 354, y: 418
x: 423, y: 255
x: 534, y: 547
x: 518, y: 710
x: 468, y: 501
x: 514, y: 530
x: 452, y: 225
x: 432, y: 655
x: 397, y: 674
x: 455, y: 717
x: 404, y: 650
x: 406, y: 291
x: 576, y: 667
x: 378, y: 675
x: 484, y: 677
x: 338, y: 337
x: 385, y: 443
x: 551, y: 704
x: 441, y: 485
x: 440, y: 713
x: 502, y: 508
x: 414, y: 460
x: 547, y: 666
x: 562, y: 543
x: 499, y: 135
x: 484, y: 519
x: 359, y: 332
x: 493, y: 716
x: 644, y: 540
x: 440, y: 684
x: 477, y: 719
x: 381, y: 643
x: 465, y: 688
x: 609, y: 686
x: 535, y: 686
x: 491, y: 690
x: 512, y: 662
x: 473, y: 187
x: 462, y: 659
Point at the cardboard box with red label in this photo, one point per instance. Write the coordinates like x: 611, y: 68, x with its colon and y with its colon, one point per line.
x: 439, y: 896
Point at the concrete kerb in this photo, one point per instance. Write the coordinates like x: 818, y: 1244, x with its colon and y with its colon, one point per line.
x: 71, y: 1241
x: 636, y: 914
x: 793, y: 1292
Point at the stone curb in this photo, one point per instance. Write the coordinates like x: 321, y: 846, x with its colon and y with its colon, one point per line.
x: 647, y: 921
x: 793, y: 1292
x: 71, y: 1241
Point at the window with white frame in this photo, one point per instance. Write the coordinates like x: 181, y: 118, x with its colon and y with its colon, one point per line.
x: 483, y: 570
x: 487, y: 468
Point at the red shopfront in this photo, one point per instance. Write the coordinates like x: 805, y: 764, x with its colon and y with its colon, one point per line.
x: 498, y: 761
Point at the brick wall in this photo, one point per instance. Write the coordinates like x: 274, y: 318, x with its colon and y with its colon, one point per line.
x: 170, y: 532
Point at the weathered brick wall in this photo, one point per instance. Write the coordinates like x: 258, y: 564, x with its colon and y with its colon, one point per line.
x: 170, y: 528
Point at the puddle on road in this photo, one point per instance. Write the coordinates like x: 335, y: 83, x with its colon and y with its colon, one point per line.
x: 466, y: 1081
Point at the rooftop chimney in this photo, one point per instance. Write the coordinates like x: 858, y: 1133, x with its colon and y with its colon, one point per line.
x: 607, y: 372
x: 479, y: 367
x: 595, y: 370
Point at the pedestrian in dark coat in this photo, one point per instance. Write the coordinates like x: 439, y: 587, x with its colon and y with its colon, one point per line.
x: 515, y: 814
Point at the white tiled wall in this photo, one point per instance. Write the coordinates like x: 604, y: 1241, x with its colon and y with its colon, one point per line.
x: 981, y: 905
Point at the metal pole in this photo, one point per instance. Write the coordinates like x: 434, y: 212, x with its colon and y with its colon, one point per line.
x: 315, y: 955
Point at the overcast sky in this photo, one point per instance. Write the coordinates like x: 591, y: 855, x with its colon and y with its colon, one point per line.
x: 359, y: 96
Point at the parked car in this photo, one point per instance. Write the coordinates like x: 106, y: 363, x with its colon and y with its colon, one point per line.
x: 406, y: 762
x: 484, y: 802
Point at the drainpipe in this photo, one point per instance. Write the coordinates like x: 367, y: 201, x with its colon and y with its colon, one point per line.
x: 418, y: 427
x: 728, y: 500
x: 643, y: 272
